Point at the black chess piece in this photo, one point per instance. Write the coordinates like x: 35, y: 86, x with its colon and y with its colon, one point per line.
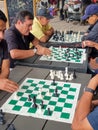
x: 2, y: 120
x: 56, y: 92
x: 53, y: 83
x: 34, y: 102
x: 1, y: 112
x: 62, y: 33
x: 29, y: 98
x: 42, y: 105
x: 11, y: 127
x: 74, y: 74
x: 49, y: 112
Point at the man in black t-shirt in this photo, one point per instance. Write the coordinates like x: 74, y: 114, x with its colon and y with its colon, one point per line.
x: 18, y: 38
x: 5, y: 84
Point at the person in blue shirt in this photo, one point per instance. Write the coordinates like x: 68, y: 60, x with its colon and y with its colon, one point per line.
x: 90, y: 39
x: 86, y: 114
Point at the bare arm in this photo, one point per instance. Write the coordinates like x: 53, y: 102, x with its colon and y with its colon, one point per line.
x: 5, y: 69
x: 90, y: 44
x: 47, y: 35
x: 80, y: 121
x: 21, y: 54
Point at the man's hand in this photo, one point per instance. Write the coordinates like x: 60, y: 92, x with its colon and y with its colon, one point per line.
x: 43, y: 50
x: 48, y: 33
x: 93, y: 63
x: 8, y: 85
x: 88, y: 44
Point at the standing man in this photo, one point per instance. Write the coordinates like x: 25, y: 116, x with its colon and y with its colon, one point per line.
x: 41, y: 28
x: 18, y: 38
x: 84, y: 4
x: 5, y: 84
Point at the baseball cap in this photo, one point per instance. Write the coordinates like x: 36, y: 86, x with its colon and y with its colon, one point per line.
x: 90, y: 10
x: 44, y: 12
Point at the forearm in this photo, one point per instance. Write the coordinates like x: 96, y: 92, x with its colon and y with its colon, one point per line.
x: 83, y: 108
x: 4, y: 74
x: 35, y: 42
x: 96, y: 45
x: 49, y: 32
x: 21, y: 54
x: 84, y: 105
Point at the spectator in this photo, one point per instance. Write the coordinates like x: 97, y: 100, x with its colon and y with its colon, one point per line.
x: 84, y: 4
x: 41, y: 28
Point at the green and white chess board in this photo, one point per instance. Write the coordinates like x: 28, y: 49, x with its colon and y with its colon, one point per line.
x: 71, y: 55
x: 62, y: 107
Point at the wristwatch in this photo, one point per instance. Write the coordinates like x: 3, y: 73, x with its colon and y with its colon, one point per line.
x: 89, y: 90
x: 35, y: 50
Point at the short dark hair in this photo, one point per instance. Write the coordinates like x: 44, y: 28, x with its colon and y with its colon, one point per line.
x: 22, y: 15
x: 2, y: 16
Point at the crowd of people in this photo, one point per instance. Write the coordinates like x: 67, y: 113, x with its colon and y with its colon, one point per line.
x: 26, y: 29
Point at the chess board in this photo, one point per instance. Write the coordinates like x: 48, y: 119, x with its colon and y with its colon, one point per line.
x: 70, y: 55
x: 62, y: 107
x: 63, y: 37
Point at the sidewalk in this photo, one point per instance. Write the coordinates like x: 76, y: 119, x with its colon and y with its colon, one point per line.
x: 58, y: 24
x: 63, y: 25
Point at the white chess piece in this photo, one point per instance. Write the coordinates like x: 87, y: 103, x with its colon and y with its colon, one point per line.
x: 71, y: 77
x: 52, y: 74
x: 40, y: 96
x: 39, y: 110
x: 61, y: 76
x: 66, y: 72
x: 16, y: 96
x: 48, y: 93
x: 67, y: 77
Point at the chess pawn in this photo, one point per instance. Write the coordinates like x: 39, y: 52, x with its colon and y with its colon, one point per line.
x: 74, y: 74
x: 67, y: 77
x: 52, y: 74
x: 61, y: 76
x: 40, y: 96
x: 71, y: 77
x: 48, y: 93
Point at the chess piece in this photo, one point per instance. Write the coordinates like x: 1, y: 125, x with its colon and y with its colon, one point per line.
x: 29, y: 98
x: 2, y: 120
x: 53, y: 83
x: 34, y: 102
x: 66, y: 72
x: 56, y: 92
x: 42, y: 105
x: 49, y: 112
x: 52, y: 74
x: 74, y: 74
